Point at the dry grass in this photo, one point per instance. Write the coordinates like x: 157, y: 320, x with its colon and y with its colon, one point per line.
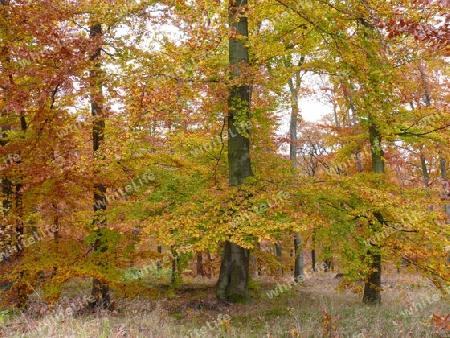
x: 312, y: 310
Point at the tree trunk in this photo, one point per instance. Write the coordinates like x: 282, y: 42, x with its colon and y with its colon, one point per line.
x: 313, y: 251
x: 159, y: 263
x: 234, y: 269
x: 175, y: 272
x: 6, y: 184
x: 279, y: 253
x: 298, y: 266
x: 233, y: 280
x: 11, y: 200
x: 100, y: 289
x: 294, y: 90
x: 426, y: 88
x: 19, y: 195
x: 423, y: 164
x: 372, y: 287
x: 446, y: 194
x: 200, y: 270
x: 443, y: 169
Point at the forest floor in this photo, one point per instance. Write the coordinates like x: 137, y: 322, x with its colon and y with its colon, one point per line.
x: 314, y: 309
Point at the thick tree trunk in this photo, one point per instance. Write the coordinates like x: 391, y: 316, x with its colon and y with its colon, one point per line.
x: 372, y: 287
x: 233, y: 280
x: 100, y: 289
x: 234, y: 270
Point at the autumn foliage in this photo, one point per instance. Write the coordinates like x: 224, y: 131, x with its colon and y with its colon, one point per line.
x: 164, y: 85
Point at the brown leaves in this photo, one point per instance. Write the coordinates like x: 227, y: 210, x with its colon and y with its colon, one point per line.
x: 328, y: 323
x: 441, y: 323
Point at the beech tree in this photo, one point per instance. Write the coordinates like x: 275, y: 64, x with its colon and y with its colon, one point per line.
x: 100, y: 289
x: 169, y: 113
x: 234, y: 270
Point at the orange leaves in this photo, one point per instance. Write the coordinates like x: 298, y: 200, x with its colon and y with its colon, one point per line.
x: 441, y: 323
x: 329, y: 323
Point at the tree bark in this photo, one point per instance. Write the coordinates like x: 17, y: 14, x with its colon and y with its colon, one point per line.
x: 313, y: 251
x: 19, y: 195
x: 200, y: 270
x: 446, y: 194
x: 233, y: 280
x: 6, y: 184
x: 443, y: 169
x: 294, y: 90
x: 100, y: 289
x: 298, y: 266
x: 372, y: 287
x: 175, y: 272
x: 423, y: 164
x: 279, y: 253
x: 232, y: 284
x: 7, y: 193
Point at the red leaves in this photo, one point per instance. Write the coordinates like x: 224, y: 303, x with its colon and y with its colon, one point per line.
x: 437, y: 37
x: 428, y: 2
x: 435, y: 34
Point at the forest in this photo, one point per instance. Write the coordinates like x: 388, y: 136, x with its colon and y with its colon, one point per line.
x: 224, y: 168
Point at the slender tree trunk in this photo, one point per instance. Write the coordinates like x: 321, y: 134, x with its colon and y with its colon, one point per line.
x: 354, y: 124
x: 279, y: 253
x: 426, y: 88
x: 175, y: 273
x: 6, y: 184
x: 298, y: 242
x: 7, y: 193
x: 313, y: 251
x: 19, y: 195
x: 234, y: 270
x: 11, y: 190
x: 100, y: 289
x: 423, y: 164
x: 446, y: 194
x: 298, y: 266
x: 443, y: 168
x: 200, y: 270
x: 427, y: 98
x: 159, y: 263
x: 372, y: 287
